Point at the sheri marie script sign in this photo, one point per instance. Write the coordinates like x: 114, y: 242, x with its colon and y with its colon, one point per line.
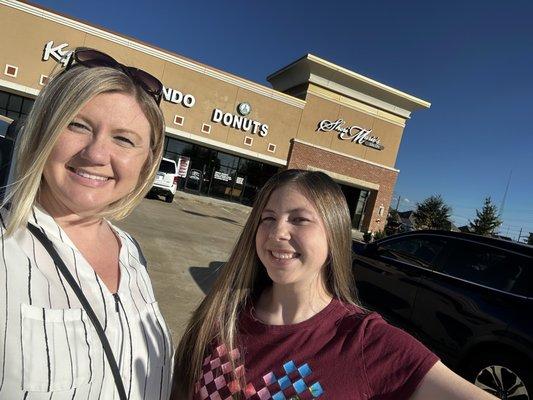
x: 354, y: 134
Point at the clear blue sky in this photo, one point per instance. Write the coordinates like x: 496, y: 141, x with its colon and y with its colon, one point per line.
x: 473, y: 60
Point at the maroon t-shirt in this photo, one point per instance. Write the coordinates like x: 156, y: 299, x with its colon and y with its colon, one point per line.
x: 341, y: 353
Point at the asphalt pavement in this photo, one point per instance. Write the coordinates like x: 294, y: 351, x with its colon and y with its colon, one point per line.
x: 184, y: 243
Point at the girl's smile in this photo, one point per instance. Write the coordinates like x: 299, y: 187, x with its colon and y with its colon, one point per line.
x: 291, y: 239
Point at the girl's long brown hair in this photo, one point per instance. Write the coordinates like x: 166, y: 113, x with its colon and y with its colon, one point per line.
x: 243, y: 276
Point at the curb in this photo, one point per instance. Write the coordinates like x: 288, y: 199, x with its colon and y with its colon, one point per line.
x: 211, y: 201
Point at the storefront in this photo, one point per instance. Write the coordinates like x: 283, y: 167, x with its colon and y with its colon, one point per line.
x: 215, y: 173
x: 228, y: 134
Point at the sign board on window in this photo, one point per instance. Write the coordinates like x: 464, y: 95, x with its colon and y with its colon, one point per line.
x: 183, y: 166
x: 222, y: 176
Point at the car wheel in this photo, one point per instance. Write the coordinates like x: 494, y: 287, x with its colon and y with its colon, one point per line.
x: 505, y: 377
x: 169, y: 198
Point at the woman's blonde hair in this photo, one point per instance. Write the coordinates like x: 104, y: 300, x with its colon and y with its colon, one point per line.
x: 55, y: 107
x: 243, y: 277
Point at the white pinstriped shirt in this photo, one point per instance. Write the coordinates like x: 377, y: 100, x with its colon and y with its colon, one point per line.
x: 48, y: 346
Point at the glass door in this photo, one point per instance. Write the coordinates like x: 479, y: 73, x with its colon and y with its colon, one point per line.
x: 360, y: 206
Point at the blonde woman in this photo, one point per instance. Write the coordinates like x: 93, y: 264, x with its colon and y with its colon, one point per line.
x: 70, y: 281
x: 283, y: 322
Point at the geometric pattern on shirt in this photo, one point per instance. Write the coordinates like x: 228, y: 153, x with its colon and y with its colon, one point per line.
x: 218, y: 383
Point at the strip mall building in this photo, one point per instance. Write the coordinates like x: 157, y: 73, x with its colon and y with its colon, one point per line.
x: 228, y: 134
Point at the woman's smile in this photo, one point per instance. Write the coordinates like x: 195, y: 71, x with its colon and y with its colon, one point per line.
x: 86, y: 178
x: 98, y: 157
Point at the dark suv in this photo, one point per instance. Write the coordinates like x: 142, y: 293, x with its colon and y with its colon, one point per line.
x: 468, y: 298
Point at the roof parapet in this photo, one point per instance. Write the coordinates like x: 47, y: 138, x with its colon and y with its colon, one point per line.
x: 315, y: 70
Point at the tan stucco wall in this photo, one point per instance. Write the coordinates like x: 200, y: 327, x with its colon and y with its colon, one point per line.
x: 24, y: 36
x: 319, y: 108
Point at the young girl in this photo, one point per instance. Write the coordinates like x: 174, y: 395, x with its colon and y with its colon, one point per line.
x: 283, y: 322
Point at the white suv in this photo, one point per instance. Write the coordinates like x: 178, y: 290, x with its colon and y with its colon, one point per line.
x: 166, y: 180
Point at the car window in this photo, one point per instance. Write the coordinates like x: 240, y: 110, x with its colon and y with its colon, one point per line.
x: 421, y: 251
x: 486, y: 265
x: 522, y: 284
x: 167, y: 167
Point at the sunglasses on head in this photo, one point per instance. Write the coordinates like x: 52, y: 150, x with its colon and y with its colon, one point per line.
x: 91, y: 58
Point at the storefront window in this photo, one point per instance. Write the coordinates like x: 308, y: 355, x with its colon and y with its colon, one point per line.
x: 228, y: 160
x: 14, y: 106
x: 219, y: 174
x: 360, y: 209
x: 178, y: 147
x: 256, y: 175
x: 356, y: 199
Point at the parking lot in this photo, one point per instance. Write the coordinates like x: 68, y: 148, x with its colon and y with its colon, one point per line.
x: 184, y: 243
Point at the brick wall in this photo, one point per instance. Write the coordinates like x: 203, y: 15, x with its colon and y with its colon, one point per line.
x: 302, y: 156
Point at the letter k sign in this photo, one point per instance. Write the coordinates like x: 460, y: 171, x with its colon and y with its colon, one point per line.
x: 57, y: 53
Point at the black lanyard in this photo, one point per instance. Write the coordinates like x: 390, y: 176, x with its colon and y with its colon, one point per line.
x: 47, y: 244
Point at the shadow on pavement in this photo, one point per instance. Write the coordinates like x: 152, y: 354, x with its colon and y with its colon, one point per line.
x: 229, y: 220
x: 205, y: 277
x: 151, y: 196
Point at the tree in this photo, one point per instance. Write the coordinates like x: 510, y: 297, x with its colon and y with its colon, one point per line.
x: 530, y: 239
x: 393, y: 222
x: 486, y: 220
x: 433, y: 213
